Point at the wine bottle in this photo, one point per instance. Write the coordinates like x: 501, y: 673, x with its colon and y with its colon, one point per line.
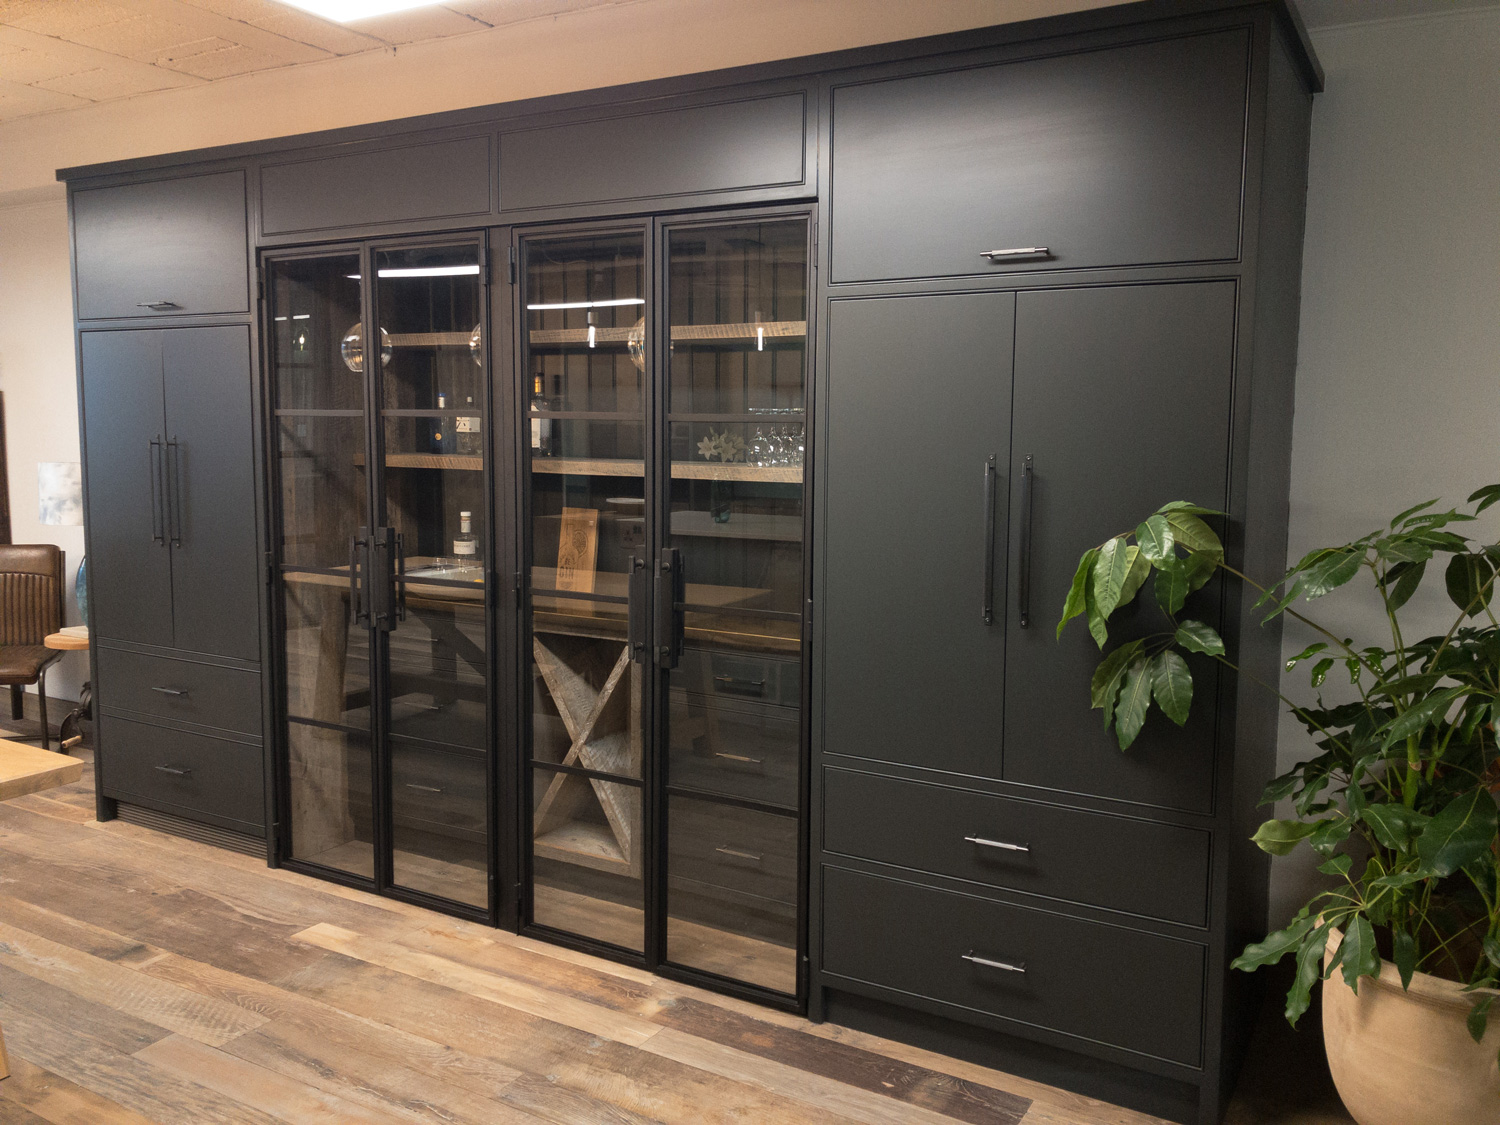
x: 440, y: 442
x: 466, y: 545
x: 541, y: 428
x: 467, y: 430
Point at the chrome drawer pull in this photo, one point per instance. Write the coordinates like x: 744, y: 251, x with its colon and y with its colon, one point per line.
x: 174, y: 771
x: 158, y: 306
x: 737, y: 854
x: 423, y: 788
x: 739, y: 758
x: 987, y: 963
x: 736, y: 683
x: 1001, y: 844
x: 1016, y: 252
x: 169, y: 691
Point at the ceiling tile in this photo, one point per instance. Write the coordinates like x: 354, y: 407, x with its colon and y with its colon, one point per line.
x: 224, y: 62
x: 27, y: 64
x: 291, y: 23
x: 144, y: 38
x: 499, y: 12
x: 418, y: 24
x: 104, y: 83
x: 65, y: 18
x: 17, y: 100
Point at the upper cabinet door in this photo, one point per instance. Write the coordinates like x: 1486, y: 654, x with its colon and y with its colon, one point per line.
x: 209, y: 454
x: 164, y: 248
x: 1128, y: 156
x: 1122, y: 402
x: 125, y: 439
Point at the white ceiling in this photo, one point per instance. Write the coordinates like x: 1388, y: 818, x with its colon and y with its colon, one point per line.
x: 61, y: 54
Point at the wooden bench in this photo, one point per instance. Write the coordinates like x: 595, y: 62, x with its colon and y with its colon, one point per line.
x: 30, y: 769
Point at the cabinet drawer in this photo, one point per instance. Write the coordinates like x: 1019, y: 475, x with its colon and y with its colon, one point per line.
x: 439, y: 792
x: 1129, y: 156
x: 214, y: 696
x: 180, y: 772
x: 737, y: 676
x: 738, y: 850
x: 180, y: 244
x: 1106, y: 984
x: 1158, y: 870
x: 735, y: 749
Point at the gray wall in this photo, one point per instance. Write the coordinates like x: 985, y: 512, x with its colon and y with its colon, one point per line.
x: 1398, y: 380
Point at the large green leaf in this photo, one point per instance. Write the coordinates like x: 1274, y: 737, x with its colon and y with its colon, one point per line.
x: 1097, y: 628
x: 1479, y: 1017
x: 1394, y: 826
x: 1275, y: 946
x: 1135, y: 700
x: 1419, y: 715
x: 1171, y: 585
x: 1299, y: 996
x: 1110, y: 570
x: 1106, y: 683
x: 1320, y: 671
x: 1404, y: 954
x: 1077, y: 602
x: 1155, y: 539
x: 1406, y: 585
x: 1413, y: 510
x: 1172, y: 685
x: 1279, y: 837
x: 1310, y: 650
x: 1403, y: 549
x: 1470, y: 580
x: 1361, y: 958
x: 1192, y: 533
x: 1331, y: 572
x: 1485, y: 496
x: 1464, y: 830
x: 1198, y: 637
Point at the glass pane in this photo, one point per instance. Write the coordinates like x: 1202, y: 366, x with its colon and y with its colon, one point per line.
x: 438, y: 818
x: 438, y: 663
x: 314, y: 307
x: 587, y: 859
x: 327, y: 663
x: 323, y: 500
x: 732, y: 892
x: 331, y: 800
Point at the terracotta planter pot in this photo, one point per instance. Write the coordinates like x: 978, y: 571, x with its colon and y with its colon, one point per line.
x: 1404, y: 1057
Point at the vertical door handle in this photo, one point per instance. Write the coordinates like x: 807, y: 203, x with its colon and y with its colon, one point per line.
x: 636, y: 608
x: 670, y: 588
x: 990, y: 475
x: 382, y: 584
x: 1023, y: 579
x: 158, y: 517
x: 400, y: 577
x: 174, y: 456
x: 358, y: 558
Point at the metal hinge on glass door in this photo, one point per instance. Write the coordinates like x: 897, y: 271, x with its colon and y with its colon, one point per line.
x: 670, y: 594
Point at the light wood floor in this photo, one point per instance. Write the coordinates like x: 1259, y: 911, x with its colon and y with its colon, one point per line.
x: 147, y: 978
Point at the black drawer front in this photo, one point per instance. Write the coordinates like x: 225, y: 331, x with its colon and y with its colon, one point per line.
x: 438, y: 791
x: 744, y: 678
x: 208, y: 694
x: 735, y: 749
x: 189, y: 772
x: 1157, y: 870
x: 1105, y: 984
x: 178, y: 245
x: 1128, y: 156
x: 733, y: 849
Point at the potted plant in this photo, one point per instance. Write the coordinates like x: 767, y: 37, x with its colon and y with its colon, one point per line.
x: 1398, y: 800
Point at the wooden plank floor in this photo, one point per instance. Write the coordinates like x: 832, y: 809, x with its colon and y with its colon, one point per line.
x: 144, y: 978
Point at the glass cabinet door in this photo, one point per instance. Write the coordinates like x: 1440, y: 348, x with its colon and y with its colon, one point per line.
x: 322, y: 509
x: 736, y: 397
x: 584, y: 375
x: 432, y: 387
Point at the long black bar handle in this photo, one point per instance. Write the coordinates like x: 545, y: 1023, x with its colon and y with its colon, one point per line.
x: 158, y: 530
x: 381, y: 586
x: 636, y: 635
x: 669, y: 594
x: 358, y: 553
x: 400, y: 578
x: 174, y: 454
x: 1023, y: 579
x: 990, y: 475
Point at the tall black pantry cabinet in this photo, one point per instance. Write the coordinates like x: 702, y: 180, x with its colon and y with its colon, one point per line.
x: 1060, y: 293
x: 167, y: 409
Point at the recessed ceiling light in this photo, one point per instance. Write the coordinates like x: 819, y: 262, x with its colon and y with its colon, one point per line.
x: 343, y: 11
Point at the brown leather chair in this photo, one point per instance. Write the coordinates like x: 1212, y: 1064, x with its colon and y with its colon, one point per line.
x: 31, y: 606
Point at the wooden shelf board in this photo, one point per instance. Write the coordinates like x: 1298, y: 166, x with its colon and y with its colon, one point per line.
x: 681, y: 470
x: 459, y: 461
x: 584, y: 843
x: 740, y: 332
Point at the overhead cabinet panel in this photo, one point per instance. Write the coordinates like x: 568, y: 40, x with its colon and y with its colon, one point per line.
x: 163, y: 248
x: 442, y: 180
x: 1127, y: 156
x: 759, y: 142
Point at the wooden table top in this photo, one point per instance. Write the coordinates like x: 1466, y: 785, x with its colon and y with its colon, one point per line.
x: 67, y: 642
x: 30, y: 769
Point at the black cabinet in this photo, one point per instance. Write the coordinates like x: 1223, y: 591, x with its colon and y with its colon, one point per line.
x: 1120, y: 157
x: 173, y: 247
x: 190, y: 774
x: 171, y: 486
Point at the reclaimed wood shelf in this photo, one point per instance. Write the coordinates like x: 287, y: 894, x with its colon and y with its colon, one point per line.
x: 461, y: 461
x: 681, y: 470
x: 742, y: 332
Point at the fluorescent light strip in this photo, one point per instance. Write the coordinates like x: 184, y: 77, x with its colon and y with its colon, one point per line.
x: 342, y: 11
x: 425, y: 271
x: 301, y: 316
x: 592, y: 304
